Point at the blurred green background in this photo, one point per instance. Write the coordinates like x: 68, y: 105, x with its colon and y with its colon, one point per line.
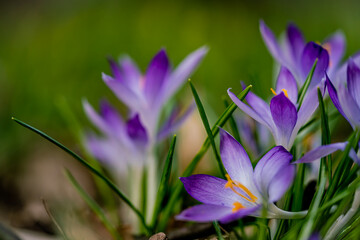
x: 51, y: 50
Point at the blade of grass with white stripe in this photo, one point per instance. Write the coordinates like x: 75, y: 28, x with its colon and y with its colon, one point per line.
x: 178, y: 189
x: 93, y: 205
x: 164, y: 183
x: 108, y: 182
x: 207, y: 127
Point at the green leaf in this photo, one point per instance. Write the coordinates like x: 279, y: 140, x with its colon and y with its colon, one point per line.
x: 218, y: 230
x: 306, y: 85
x: 91, y: 168
x: 207, y: 127
x: 93, y: 205
x: 164, y: 183
x: 178, y: 189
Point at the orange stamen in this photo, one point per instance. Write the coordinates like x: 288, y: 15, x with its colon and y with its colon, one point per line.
x: 272, y: 90
x: 237, y: 206
x: 284, y: 90
x: 232, y: 184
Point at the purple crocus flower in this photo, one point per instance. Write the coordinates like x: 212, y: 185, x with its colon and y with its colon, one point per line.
x: 147, y: 94
x: 347, y: 99
x: 122, y: 142
x: 246, y: 190
x: 281, y: 117
x: 298, y: 56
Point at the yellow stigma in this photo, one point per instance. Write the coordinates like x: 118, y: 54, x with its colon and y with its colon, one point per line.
x: 233, y: 184
x: 284, y: 91
x: 237, y: 206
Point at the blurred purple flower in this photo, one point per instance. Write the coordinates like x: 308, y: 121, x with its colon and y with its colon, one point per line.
x: 122, y: 142
x: 147, y: 94
x: 246, y: 190
x: 298, y: 56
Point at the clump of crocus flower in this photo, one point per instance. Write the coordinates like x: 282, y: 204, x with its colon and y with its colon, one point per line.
x: 272, y: 187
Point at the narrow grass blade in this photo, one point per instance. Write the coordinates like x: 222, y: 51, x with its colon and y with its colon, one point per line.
x: 93, y: 205
x: 354, y: 226
x: 90, y: 167
x: 57, y: 225
x: 306, y: 85
x: 190, y: 168
x: 164, y: 183
x: 307, y: 230
x: 207, y: 127
x: 233, y: 125
x: 298, y: 190
x: 77, y: 130
x: 218, y: 230
x: 309, y: 223
x: 344, y: 163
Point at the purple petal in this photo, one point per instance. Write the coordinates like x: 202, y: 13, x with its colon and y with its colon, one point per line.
x: 312, y: 52
x: 158, y: 70
x: 296, y: 42
x: 334, y: 97
x: 132, y: 75
x: 235, y: 159
x: 260, y: 106
x: 341, y: 73
x: 353, y: 80
x: 263, y: 119
x: 246, y: 127
x: 204, y: 213
x: 335, y: 45
x: 270, y: 165
x: 115, y: 69
x: 209, y: 190
x: 95, y: 118
x: 239, y: 214
x: 112, y: 117
x: 281, y: 183
x: 124, y: 93
x: 174, y: 122
x: 136, y: 131
x: 284, y: 115
x: 309, y: 105
x: 106, y: 150
x: 349, y: 106
x: 182, y: 73
x: 271, y: 42
x: 287, y: 81
x: 320, y: 152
